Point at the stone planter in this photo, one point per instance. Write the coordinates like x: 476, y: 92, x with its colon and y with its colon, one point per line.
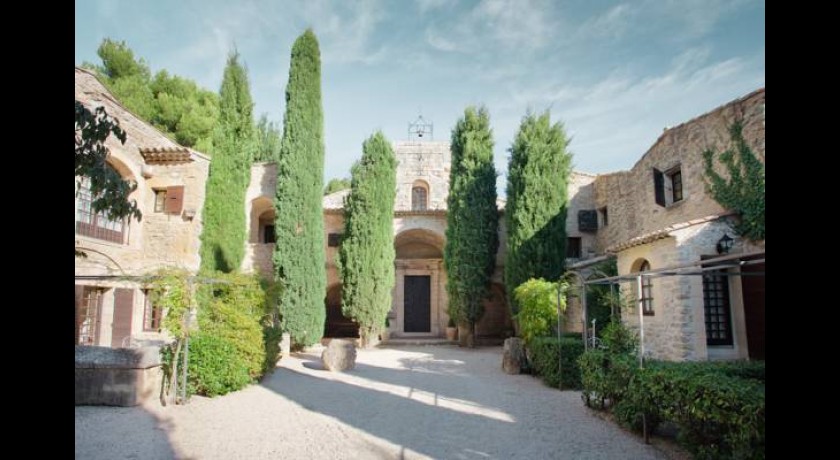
x: 451, y: 334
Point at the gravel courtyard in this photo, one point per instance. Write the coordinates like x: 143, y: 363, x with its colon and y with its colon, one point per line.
x: 401, y: 402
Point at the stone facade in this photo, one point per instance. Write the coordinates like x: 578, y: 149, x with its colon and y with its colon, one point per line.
x: 165, y: 237
x: 677, y: 232
x: 419, y: 238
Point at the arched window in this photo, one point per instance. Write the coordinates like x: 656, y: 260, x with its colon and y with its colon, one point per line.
x: 647, y: 289
x: 419, y: 196
x: 96, y: 225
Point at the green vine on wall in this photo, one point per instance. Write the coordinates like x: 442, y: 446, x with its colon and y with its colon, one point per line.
x: 743, y: 190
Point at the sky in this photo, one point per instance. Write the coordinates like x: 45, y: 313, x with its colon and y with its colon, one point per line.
x: 614, y: 73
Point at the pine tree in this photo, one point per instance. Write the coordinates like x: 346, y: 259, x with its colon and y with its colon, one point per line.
x: 472, y: 237
x: 366, y: 255
x: 299, y: 255
x: 535, y: 214
x: 224, y: 233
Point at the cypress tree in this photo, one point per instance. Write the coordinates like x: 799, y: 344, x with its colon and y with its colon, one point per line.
x: 223, y: 235
x: 472, y: 237
x: 366, y: 255
x: 535, y: 214
x: 299, y: 256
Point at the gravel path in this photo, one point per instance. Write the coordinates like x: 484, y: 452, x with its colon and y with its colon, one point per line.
x: 406, y: 402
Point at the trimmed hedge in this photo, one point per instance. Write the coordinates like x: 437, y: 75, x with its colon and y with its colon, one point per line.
x: 719, y: 415
x: 216, y: 366
x: 544, y: 353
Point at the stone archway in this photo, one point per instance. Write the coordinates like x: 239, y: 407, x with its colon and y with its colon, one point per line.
x: 419, y: 300
x: 337, y: 325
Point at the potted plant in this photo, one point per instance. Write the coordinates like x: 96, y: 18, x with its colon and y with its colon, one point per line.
x: 451, y: 331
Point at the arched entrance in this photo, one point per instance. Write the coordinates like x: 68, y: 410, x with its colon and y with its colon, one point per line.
x: 337, y: 325
x: 419, y: 304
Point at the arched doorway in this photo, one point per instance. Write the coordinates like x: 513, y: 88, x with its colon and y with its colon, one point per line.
x: 337, y: 325
x: 419, y: 305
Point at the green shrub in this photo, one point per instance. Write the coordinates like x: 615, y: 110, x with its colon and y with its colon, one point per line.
x: 718, y: 415
x: 616, y: 338
x: 216, y: 367
x: 544, y: 358
x: 538, y: 304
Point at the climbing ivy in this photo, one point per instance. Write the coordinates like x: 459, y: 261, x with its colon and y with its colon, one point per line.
x: 743, y: 191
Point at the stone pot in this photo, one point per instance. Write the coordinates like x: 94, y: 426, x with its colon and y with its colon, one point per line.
x: 451, y: 334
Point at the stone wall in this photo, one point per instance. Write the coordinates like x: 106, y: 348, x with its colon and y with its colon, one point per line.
x: 629, y: 195
x: 117, y: 377
x: 422, y: 161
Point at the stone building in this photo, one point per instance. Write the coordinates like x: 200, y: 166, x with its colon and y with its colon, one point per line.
x: 419, y: 307
x: 660, y: 215
x: 112, y: 307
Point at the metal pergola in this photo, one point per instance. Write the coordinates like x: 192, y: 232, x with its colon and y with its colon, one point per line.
x: 697, y: 268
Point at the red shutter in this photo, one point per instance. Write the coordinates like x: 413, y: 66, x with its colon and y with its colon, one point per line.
x: 80, y: 292
x: 123, y: 306
x: 174, y: 199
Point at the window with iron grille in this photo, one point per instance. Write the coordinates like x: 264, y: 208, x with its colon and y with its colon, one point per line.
x: 88, y: 316
x: 152, y: 315
x: 418, y: 198
x: 647, y: 290
x: 96, y: 225
x: 716, y: 308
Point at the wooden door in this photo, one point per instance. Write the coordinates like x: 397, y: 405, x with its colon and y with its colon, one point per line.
x: 418, y: 308
x: 123, y: 306
x: 753, y: 287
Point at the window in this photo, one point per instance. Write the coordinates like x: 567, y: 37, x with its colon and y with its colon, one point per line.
x: 604, y: 216
x: 418, y: 198
x: 268, y: 234
x: 573, y: 247
x: 152, y: 315
x: 668, y: 186
x: 334, y: 240
x: 88, y: 316
x: 716, y: 308
x: 160, y: 200
x: 96, y: 225
x: 647, y: 290
x: 675, y: 178
x: 587, y: 220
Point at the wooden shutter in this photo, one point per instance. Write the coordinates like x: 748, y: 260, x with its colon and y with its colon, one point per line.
x: 123, y: 306
x: 80, y: 293
x: 659, y: 186
x: 174, y: 199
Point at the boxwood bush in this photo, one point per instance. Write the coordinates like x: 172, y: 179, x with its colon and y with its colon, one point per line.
x: 544, y: 359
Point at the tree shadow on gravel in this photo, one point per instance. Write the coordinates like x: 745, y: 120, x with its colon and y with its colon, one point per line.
x: 104, y: 432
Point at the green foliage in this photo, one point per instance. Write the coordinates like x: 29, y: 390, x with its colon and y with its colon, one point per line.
x: 268, y: 140
x: 299, y: 255
x: 233, y: 310
x: 366, y: 255
x: 600, y: 298
x: 110, y: 191
x: 718, y: 414
x: 215, y: 366
x: 547, y: 352
x: 535, y: 213
x: 743, y: 191
x: 237, y: 341
x: 175, y: 105
x: 538, y: 300
x: 224, y: 233
x: 472, y: 237
x: 606, y: 372
x: 335, y: 185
